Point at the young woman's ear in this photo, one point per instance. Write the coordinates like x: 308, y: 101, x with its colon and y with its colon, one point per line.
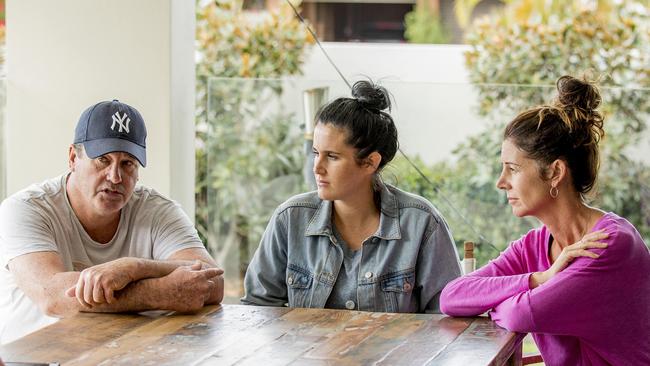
x: 373, y: 160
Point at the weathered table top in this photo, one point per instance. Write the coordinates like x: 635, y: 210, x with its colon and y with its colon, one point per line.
x: 252, y: 335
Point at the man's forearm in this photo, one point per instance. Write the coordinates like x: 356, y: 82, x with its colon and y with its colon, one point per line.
x: 41, y: 275
x: 146, y: 294
x: 184, y: 289
x: 141, y: 295
x: 148, y: 268
x: 98, y: 284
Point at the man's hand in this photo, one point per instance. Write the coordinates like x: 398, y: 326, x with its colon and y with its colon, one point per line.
x: 573, y: 251
x: 97, y: 284
x: 190, y: 288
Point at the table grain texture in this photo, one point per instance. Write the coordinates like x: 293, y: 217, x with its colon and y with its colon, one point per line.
x: 253, y: 335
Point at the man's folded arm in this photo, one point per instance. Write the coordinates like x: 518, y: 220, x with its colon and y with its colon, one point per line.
x: 42, y: 276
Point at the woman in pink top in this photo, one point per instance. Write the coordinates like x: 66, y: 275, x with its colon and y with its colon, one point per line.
x: 581, y: 282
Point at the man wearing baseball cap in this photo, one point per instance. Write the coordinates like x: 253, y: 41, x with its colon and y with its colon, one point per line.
x: 91, y: 240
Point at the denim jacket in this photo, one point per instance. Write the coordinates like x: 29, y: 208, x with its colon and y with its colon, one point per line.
x: 404, y: 265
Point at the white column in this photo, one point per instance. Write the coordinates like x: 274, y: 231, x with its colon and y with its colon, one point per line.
x: 63, y: 56
x: 182, y: 88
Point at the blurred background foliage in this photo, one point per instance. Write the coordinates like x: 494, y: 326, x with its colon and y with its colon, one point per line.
x: 249, y: 159
x: 514, y: 53
x: 423, y: 23
x: 2, y: 44
x: 250, y: 150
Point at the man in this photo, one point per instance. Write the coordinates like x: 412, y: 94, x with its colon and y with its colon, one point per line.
x: 90, y: 240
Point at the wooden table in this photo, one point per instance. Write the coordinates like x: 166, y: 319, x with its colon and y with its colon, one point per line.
x: 251, y: 335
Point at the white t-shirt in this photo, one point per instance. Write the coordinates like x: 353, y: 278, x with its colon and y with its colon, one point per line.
x: 40, y: 218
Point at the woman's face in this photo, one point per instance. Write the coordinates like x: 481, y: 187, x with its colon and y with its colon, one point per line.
x: 527, y: 192
x: 338, y: 176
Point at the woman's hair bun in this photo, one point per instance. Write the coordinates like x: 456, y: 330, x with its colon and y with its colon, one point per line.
x: 577, y: 103
x: 576, y: 93
x: 370, y: 95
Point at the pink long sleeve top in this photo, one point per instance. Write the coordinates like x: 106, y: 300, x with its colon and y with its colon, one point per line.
x: 594, y: 312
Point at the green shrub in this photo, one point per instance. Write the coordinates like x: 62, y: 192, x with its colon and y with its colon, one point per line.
x: 515, y: 57
x: 423, y: 25
x: 612, y: 39
x: 248, y: 156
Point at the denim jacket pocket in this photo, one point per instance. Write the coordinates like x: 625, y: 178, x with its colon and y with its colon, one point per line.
x: 299, y: 283
x: 397, y: 289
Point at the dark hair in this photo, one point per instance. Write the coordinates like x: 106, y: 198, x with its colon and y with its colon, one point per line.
x: 369, y: 127
x: 570, y: 129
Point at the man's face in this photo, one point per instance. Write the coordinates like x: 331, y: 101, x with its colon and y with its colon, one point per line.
x: 105, y: 184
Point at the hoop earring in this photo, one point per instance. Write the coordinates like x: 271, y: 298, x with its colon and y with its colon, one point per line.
x: 554, y: 192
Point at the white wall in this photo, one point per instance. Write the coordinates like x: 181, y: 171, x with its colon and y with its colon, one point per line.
x: 63, y: 56
x: 434, y: 107
x: 389, y: 61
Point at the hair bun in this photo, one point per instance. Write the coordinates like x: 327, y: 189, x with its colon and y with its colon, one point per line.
x: 370, y: 95
x: 577, y: 103
x: 576, y: 93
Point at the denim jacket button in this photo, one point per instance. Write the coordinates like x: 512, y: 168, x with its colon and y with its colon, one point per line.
x: 368, y: 275
x: 349, y: 305
x: 290, y: 280
x: 375, y: 240
x: 407, y: 286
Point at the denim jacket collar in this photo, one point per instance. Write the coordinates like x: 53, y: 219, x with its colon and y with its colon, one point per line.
x: 389, y: 228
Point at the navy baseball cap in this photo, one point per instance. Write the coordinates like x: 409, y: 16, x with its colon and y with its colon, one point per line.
x: 112, y: 126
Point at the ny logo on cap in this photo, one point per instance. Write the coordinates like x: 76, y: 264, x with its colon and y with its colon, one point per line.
x: 124, y: 125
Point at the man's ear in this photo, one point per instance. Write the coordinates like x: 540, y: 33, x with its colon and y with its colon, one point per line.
x: 72, y: 157
x: 557, y: 172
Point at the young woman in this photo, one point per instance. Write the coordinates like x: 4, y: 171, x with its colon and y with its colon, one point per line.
x: 356, y: 243
x: 581, y: 282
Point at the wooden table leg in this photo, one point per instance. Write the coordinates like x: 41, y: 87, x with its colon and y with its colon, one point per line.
x: 516, y: 358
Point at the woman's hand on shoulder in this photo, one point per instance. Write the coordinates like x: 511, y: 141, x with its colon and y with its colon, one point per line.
x: 569, y: 253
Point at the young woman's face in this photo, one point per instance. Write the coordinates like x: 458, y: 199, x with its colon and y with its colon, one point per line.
x: 527, y: 192
x: 338, y: 175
